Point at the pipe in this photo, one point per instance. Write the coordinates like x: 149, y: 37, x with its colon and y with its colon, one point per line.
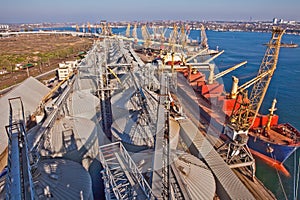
x: 234, y: 89
x: 272, y: 109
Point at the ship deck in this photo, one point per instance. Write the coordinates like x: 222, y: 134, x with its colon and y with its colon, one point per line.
x: 275, y: 138
x: 187, y: 96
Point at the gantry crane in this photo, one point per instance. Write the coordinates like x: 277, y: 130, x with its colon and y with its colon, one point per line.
x: 127, y: 34
x: 246, y: 108
x: 146, y: 36
x: 204, y: 43
x: 134, y: 32
x: 183, y: 36
x: 89, y: 27
x: 173, y: 37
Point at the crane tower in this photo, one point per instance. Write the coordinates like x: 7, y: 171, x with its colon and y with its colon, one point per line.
x: 246, y: 108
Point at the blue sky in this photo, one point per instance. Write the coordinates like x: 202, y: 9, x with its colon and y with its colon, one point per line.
x: 35, y: 11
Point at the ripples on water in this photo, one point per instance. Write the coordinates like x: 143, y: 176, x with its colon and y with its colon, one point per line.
x: 285, y: 87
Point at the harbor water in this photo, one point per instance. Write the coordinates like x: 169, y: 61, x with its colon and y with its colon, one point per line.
x: 284, y: 86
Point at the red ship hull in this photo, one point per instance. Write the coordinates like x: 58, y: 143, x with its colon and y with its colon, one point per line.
x: 273, y: 146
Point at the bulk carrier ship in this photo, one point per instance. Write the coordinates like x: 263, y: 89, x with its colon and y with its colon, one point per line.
x: 268, y: 139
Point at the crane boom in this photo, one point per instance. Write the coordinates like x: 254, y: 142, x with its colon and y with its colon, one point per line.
x: 204, y: 43
x: 127, y: 34
x: 246, y: 109
x: 89, y: 27
x: 173, y: 37
x: 183, y: 36
x: 134, y: 34
x: 252, y: 81
x: 219, y: 75
x: 146, y: 36
x: 268, y: 64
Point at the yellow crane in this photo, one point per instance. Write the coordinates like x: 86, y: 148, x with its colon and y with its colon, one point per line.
x: 204, y: 43
x: 146, y: 36
x: 127, y: 34
x: 89, y: 27
x: 77, y: 28
x: 246, y: 108
x: 183, y: 36
x: 242, y: 118
x: 173, y: 37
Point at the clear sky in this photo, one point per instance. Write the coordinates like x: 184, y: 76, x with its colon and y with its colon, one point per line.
x: 35, y: 11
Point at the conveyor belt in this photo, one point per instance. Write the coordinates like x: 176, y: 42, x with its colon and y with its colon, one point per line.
x: 229, y: 185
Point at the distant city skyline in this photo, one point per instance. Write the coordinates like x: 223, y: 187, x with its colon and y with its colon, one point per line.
x: 37, y: 11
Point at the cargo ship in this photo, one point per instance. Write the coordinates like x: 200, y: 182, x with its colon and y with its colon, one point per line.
x: 287, y: 45
x: 268, y: 139
x: 271, y: 141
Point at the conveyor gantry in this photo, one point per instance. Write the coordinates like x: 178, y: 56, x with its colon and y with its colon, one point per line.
x: 165, y: 184
x: 19, y: 184
x: 122, y: 178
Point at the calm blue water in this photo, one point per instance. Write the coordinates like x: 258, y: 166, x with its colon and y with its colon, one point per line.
x: 285, y: 87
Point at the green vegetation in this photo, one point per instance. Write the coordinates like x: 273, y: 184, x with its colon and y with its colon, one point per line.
x: 9, y: 61
x: 44, y: 52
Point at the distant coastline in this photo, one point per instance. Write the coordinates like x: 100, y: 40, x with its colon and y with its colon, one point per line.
x: 220, y: 26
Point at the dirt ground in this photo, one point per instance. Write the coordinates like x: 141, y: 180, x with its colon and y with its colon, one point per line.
x: 43, y: 51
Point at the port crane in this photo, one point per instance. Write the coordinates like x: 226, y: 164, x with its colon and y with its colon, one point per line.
x: 146, y: 36
x: 127, y: 34
x: 134, y: 32
x: 183, y: 36
x: 89, y: 27
x: 173, y: 37
x: 77, y: 28
x: 203, y: 43
x: 246, y: 108
x: 106, y: 29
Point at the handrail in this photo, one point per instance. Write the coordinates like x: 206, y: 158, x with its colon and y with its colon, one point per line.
x: 131, y: 164
x: 137, y: 173
x: 108, y: 173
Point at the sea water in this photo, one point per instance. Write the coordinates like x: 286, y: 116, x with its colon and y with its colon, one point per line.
x: 284, y: 86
